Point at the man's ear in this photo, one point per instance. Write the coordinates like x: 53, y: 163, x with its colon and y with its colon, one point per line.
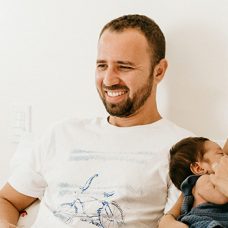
x: 197, y: 169
x: 159, y: 70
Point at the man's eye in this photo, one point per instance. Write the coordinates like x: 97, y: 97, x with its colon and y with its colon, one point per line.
x: 101, y: 66
x: 125, y: 68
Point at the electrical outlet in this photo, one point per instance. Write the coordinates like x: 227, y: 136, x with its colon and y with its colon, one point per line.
x: 21, y: 116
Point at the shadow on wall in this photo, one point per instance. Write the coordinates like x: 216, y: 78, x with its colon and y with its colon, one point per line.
x: 197, y: 80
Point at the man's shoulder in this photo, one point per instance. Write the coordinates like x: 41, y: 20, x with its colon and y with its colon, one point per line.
x: 174, y: 128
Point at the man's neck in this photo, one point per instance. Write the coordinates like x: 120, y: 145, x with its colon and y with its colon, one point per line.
x: 134, y: 120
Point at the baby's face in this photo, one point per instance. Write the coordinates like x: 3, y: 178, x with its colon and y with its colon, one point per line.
x: 225, y: 148
x: 213, y: 154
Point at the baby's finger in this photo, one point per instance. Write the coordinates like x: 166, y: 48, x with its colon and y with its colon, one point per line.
x: 214, y: 166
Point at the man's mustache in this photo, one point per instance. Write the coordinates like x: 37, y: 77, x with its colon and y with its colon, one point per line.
x: 115, y: 87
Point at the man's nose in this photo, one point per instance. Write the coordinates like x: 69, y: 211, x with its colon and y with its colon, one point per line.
x: 111, y: 77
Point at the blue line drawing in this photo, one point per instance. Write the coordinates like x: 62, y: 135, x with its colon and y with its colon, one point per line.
x: 101, y: 212
x: 88, y: 183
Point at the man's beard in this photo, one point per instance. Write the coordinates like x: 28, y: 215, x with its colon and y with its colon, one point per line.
x: 131, y: 105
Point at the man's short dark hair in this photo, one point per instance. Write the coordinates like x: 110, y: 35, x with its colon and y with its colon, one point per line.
x: 149, y: 29
x: 182, y: 155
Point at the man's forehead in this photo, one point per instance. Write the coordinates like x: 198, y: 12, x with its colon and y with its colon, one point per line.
x: 125, y: 37
x: 119, y: 47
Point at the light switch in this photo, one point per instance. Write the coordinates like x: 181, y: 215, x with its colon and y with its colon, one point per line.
x: 21, y: 116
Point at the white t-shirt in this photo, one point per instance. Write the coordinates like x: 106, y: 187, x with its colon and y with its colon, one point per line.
x: 91, y: 174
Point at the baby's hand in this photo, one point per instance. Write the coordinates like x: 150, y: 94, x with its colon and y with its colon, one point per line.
x: 220, y: 178
x: 225, y: 148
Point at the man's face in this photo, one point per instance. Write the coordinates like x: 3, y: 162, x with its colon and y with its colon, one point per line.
x: 213, y: 154
x: 123, y: 73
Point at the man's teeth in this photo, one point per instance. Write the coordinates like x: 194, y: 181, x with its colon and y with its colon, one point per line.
x: 115, y: 94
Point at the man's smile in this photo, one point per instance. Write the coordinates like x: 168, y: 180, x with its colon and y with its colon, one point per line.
x: 115, y: 96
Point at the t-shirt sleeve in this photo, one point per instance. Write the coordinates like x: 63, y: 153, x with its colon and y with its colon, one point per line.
x: 27, y: 166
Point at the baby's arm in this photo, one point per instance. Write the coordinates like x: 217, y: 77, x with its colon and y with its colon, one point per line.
x: 206, y: 190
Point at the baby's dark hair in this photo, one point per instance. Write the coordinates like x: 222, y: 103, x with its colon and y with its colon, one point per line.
x: 182, y: 155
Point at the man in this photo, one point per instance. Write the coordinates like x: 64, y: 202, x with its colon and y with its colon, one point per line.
x: 110, y: 172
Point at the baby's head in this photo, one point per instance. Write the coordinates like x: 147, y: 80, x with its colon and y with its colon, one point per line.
x: 193, y: 155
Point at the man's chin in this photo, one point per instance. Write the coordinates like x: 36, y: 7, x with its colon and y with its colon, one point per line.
x: 118, y: 112
x: 120, y: 109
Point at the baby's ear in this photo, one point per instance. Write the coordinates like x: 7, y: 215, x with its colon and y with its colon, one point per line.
x: 225, y: 148
x: 197, y: 169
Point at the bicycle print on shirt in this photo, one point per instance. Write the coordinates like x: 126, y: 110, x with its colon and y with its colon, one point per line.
x: 101, y: 212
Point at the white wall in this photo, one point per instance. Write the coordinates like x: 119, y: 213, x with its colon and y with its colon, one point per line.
x: 48, y: 53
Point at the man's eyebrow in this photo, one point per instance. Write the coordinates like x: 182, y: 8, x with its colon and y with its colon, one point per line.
x: 129, y: 63
x: 101, y: 61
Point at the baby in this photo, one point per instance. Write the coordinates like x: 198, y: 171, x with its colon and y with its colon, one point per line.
x: 191, y: 161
